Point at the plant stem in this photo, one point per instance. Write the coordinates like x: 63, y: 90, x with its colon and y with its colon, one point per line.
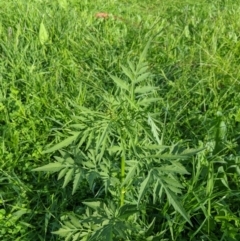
x: 122, y: 179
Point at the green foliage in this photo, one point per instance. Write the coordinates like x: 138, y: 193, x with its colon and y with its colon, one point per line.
x: 108, y: 141
x: 153, y: 140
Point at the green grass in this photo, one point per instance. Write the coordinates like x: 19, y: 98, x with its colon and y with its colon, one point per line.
x: 57, y: 57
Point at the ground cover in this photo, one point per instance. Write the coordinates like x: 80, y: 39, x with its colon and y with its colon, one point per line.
x: 123, y: 127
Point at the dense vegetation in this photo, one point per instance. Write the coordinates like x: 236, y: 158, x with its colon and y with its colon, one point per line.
x: 122, y: 125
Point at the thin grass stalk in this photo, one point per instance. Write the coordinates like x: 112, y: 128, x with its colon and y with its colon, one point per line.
x: 122, y: 180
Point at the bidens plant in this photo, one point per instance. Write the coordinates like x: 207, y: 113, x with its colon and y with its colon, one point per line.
x: 119, y: 149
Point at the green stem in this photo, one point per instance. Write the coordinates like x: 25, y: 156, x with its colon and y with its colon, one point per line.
x: 122, y: 179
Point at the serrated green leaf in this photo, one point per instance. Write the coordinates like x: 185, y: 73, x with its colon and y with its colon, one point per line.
x: 75, y: 221
x: 90, y: 138
x: 120, y: 83
x: 150, y: 227
x: 147, y: 101
x: 97, y: 235
x: 143, y: 55
x: 68, y: 177
x: 130, y: 175
x: 76, y: 180
x: 69, y: 225
x: 43, y: 34
x: 174, y: 189
x: 78, y: 126
x: 191, y: 152
x: 94, y: 219
x: 62, y: 173
x: 69, y: 236
x: 94, y: 205
x: 156, y: 191
x: 173, y: 169
x: 18, y: 214
x: 76, y: 237
x: 172, y: 198
x: 69, y: 160
x: 63, y: 143
x: 115, y: 149
x: 91, y: 177
x: 142, y: 77
x: 144, y: 186
x: 180, y: 168
x: 121, y: 229
x: 127, y: 210
x: 131, y: 66
x: 127, y: 72
x: 62, y: 232
x: 108, y: 232
x: 144, y: 89
x: 156, y: 237
x: 84, y: 137
x: 102, y: 138
x: 143, y: 68
x: 51, y: 167
x: 168, y: 156
x: 155, y: 130
x: 104, y: 233
x: 59, y: 159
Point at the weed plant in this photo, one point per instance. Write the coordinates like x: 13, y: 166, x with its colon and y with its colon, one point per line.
x: 137, y: 118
